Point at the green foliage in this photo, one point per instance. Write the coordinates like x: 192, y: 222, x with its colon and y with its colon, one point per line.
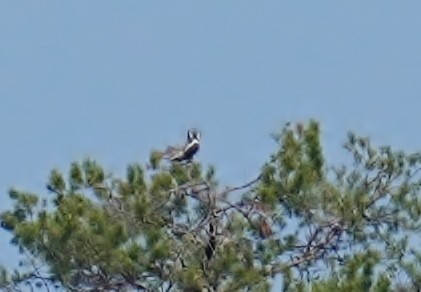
x: 165, y: 225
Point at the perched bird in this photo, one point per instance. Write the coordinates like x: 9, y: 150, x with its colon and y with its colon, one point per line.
x: 187, y: 152
x: 264, y: 229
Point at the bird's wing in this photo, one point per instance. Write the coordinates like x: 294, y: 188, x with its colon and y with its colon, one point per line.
x: 181, y: 153
x: 173, y: 149
x: 173, y: 152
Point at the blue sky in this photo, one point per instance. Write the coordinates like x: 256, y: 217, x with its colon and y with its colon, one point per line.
x: 114, y: 79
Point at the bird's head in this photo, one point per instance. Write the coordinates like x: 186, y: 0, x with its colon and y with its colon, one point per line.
x: 192, y: 134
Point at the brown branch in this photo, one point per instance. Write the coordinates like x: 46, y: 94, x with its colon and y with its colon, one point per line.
x: 233, y: 189
x: 314, y: 251
x: 237, y: 207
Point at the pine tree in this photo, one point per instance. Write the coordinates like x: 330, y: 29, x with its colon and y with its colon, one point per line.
x: 173, y: 227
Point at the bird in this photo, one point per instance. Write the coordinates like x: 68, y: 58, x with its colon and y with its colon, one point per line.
x: 190, y: 149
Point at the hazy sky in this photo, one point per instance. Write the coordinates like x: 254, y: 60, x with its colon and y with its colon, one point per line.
x: 114, y: 79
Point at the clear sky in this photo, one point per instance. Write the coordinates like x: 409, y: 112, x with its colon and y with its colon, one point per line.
x: 114, y: 79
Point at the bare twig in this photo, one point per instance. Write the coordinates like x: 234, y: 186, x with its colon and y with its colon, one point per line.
x: 233, y: 189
